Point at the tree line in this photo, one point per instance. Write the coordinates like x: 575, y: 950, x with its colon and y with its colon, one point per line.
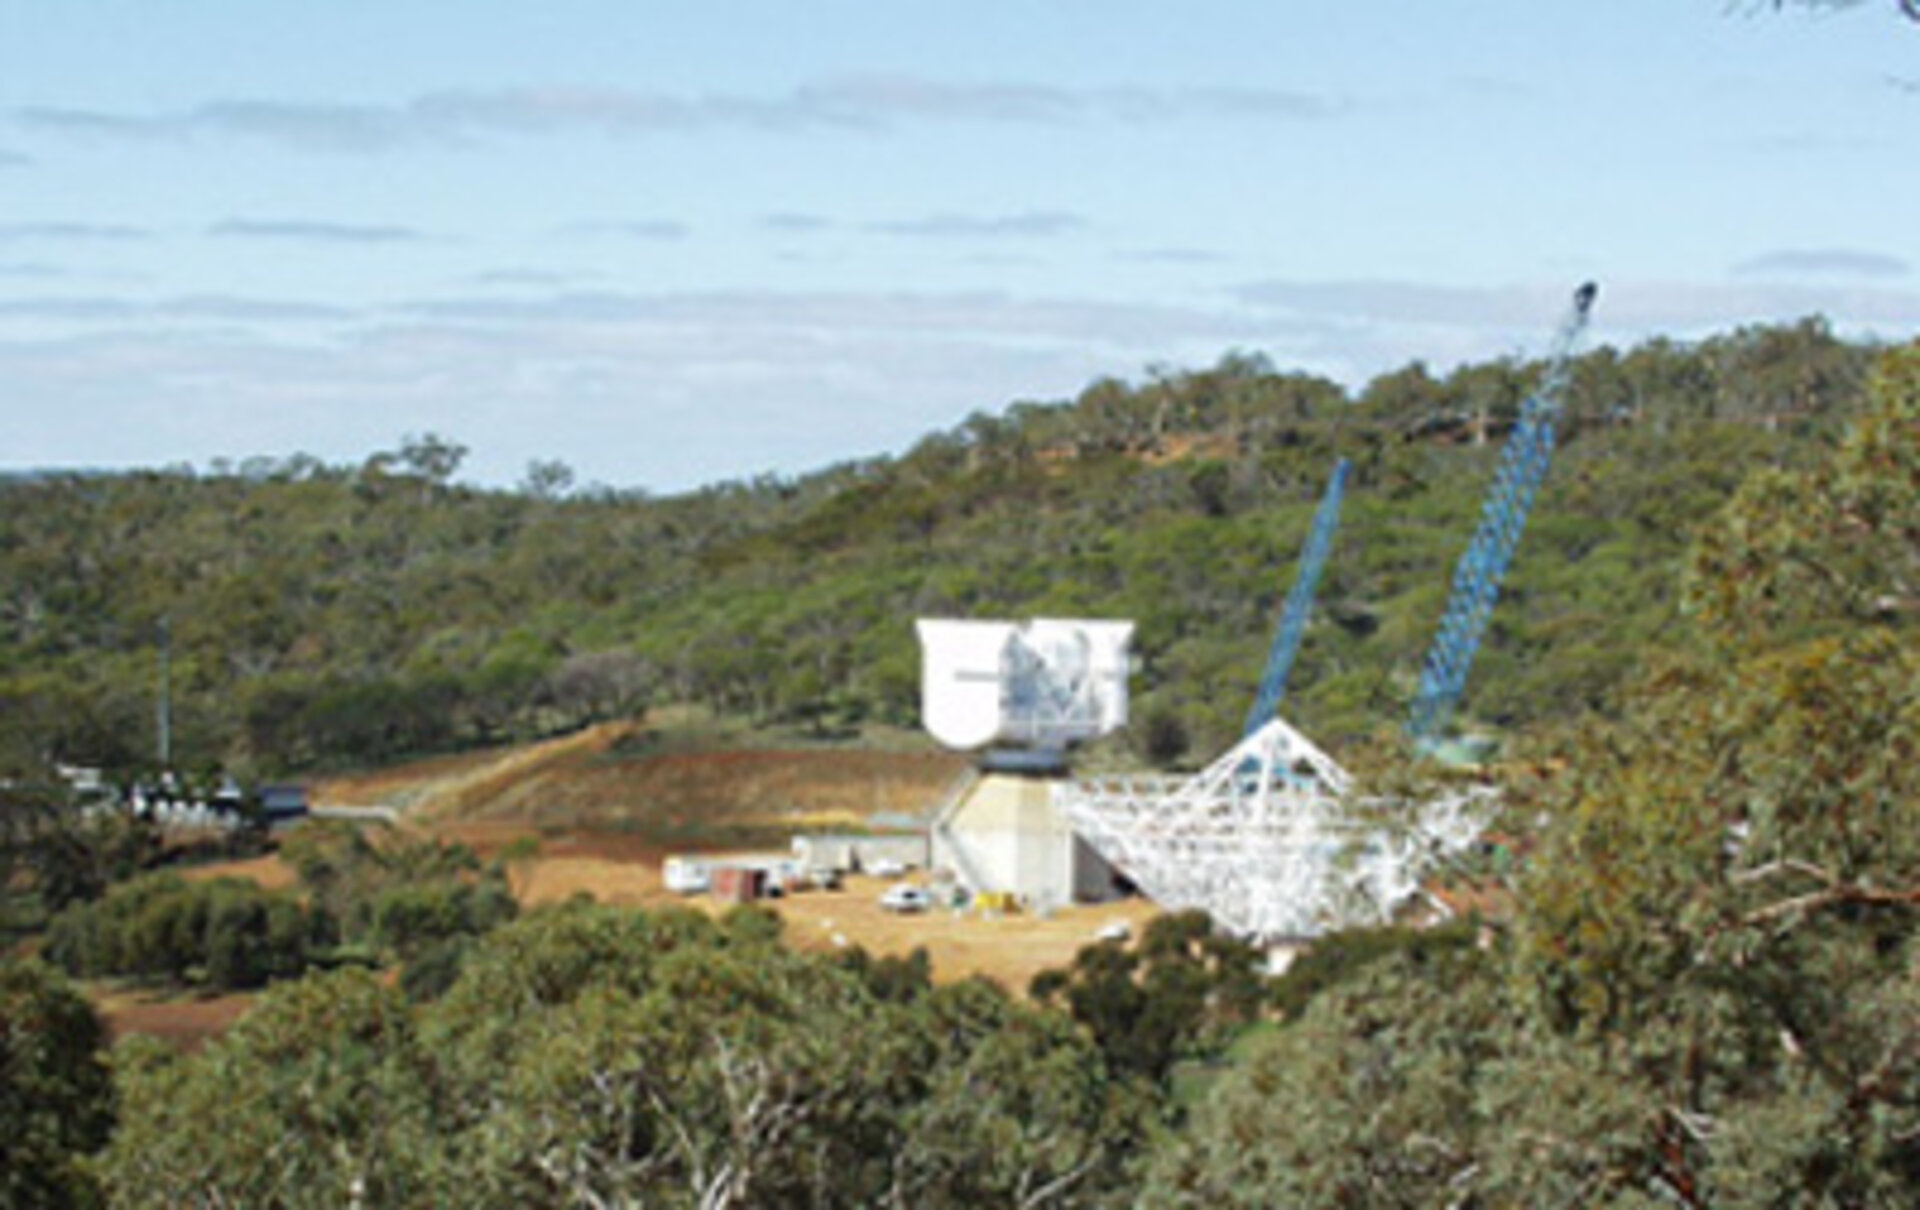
x: 318, y: 614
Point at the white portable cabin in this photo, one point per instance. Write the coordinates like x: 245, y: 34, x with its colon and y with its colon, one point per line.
x: 848, y: 853
x: 686, y: 875
x: 695, y: 875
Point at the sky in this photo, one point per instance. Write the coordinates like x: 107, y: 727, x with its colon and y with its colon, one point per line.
x: 671, y: 243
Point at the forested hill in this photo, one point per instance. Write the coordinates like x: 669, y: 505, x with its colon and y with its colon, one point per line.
x: 321, y: 614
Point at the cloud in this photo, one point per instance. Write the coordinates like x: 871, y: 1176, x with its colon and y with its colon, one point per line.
x: 1823, y: 262
x: 830, y: 315
x: 1379, y: 301
x: 645, y: 229
x: 54, y: 120
x: 302, y: 126
x: 1029, y: 224
x: 1376, y: 324
x: 37, y: 269
x: 674, y: 389
x: 203, y: 307
x: 14, y: 159
x: 670, y: 390
x: 82, y: 309
x: 795, y: 224
x: 71, y: 231
x: 230, y: 307
x: 466, y: 114
x: 1174, y: 256
x: 882, y: 99
x: 1253, y: 103
x: 314, y: 232
x: 527, y: 277
x: 876, y: 100
x: 1683, y: 307
x: 459, y: 117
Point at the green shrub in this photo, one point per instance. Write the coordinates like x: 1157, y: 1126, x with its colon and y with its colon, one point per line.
x: 1339, y: 957
x: 56, y: 1097
x: 226, y: 934
x: 410, y: 918
x: 429, y: 973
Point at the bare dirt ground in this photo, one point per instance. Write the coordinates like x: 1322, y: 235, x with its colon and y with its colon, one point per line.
x: 607, y: 805
x: 1009, y: 948
x: 269, y: 871
x: 558, y: 878
x: 679, y: 787
x: 444, y: 785
x: 184, y: 1021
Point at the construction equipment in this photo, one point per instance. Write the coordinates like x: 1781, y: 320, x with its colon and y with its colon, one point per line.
x: 1299, y: 603
x: 1271, y: 839
x: 1476, y: 580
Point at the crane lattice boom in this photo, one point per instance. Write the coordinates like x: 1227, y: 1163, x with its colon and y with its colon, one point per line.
x: 1476, y: 580
x: 1299, y: 604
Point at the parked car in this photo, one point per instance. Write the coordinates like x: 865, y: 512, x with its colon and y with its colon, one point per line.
x: 904, y: 897
x: 886, y: 867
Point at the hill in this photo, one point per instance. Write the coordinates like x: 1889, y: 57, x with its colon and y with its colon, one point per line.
x: 318, y: 616
x: 679, y: 786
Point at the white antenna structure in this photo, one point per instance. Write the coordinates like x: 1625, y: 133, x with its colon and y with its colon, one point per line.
x: 1268, y: 839
x: 1048, y: 683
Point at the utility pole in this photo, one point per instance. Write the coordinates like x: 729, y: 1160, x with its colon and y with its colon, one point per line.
x: 164, y: 708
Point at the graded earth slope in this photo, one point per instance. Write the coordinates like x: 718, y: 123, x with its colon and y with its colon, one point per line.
x: 660, y: 787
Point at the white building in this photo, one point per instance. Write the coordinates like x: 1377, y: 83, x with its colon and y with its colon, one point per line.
x: 863, y: 853
x: 1005, y: 833
x: 1029, y: 691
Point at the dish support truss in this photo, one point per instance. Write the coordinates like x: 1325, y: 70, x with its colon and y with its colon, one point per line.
x: 1268, y: 839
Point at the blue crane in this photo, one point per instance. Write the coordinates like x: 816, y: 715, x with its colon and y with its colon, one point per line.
x: 1293, y: 615
x: 1476, y: 580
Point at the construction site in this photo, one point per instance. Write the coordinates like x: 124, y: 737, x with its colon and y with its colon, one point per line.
x: 1270, y: 839
x: 993, y: 851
